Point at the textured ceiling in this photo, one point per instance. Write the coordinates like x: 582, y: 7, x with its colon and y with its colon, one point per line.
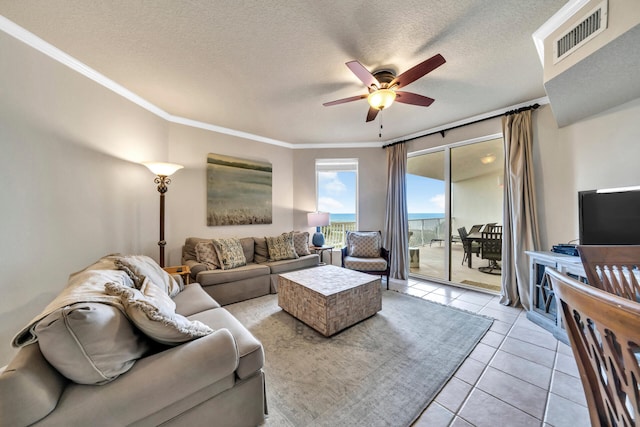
x: 266, y: 67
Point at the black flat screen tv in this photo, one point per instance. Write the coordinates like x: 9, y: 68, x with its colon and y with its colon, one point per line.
x: 609, y: 218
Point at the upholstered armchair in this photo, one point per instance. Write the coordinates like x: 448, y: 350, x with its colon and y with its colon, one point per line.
x: 364, y: 252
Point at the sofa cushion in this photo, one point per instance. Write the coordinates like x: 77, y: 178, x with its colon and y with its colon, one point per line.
x: 189, y: 248
x: 216, y: 277
x: 193, y: 299
x: 284, y: 266
x: 248, y: 244
x: 281, y: 247
x: 230, y: 253
x: 206, y: 254
x: 261, y: 251
x: 301, y: 242
x: 365, y: 264
x: 153, y: 312
x: 249, y: 348
x: 140, y: 266
x: 30, y: 388
x: 364, y: 244
x: 90, y: 343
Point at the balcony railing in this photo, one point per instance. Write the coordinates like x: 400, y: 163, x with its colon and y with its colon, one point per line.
x: 424, y: 231
x: 334, y: 234
x: 421, y: 232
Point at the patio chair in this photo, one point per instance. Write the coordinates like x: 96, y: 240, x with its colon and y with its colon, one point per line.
x: 613, y: 268
x: 604, y: 332
x: 491, y: 249
x: 470, y: 247
x: 489, y: 225
x: 364, y: 252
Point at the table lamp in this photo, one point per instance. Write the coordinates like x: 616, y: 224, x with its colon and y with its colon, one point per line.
x: 318, y: 219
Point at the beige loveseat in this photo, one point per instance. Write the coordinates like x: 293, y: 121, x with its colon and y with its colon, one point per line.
x: 256, y: 276
x: 120, y: 376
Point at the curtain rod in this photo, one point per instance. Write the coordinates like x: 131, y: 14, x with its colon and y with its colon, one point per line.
x: 442, y: 132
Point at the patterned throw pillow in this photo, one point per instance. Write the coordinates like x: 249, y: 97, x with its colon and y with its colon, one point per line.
x: 230, y: 253
x: 300, y: 242
x: 281, y: 247
x: 364, y: 244
x: 206, y: 254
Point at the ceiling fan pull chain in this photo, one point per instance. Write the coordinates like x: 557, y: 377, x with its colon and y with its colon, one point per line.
x: 380, y: 133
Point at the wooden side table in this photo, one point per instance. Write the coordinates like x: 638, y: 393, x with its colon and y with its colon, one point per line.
x: 182, y: 270
x: 320, y: 250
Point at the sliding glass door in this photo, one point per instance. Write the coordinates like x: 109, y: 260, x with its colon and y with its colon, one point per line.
x: 466, y: 180
x: 426, y: 202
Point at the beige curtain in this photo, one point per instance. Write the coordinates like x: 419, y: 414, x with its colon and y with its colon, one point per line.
x: 396, y: 225
x: 520, y: 231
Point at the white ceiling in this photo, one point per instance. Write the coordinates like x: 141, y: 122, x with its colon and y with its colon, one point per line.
x: 266, y: 67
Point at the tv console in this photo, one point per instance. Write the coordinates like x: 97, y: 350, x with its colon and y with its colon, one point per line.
x: 543, y: 306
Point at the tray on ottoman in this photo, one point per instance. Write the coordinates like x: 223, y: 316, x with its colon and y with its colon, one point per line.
x: 329, y: 298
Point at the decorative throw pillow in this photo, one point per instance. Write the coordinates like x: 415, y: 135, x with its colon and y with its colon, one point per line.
x: 364, y: 244
x: 90, y: 342
x: 301, y: 242
x: 140, y: 266
x: 153, y: 312
x: 230, y: 253
x: 261, y: 252
x: 206, y: 254
x: 281, y: 247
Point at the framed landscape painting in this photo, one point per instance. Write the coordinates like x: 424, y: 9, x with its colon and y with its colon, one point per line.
x: 238, y: 191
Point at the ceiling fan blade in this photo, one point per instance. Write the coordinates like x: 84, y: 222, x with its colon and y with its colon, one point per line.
x: 343, y: 100
x: 363, y: 74
x: 413, y: 74
x: 413, y: 98
x: 371, y: 115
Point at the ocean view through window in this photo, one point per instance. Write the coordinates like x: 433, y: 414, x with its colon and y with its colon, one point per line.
x: 337, y: 193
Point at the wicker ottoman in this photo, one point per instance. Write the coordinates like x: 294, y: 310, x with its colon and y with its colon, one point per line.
x: 329, y: 298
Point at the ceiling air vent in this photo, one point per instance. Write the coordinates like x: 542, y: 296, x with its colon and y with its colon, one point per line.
x: 587, y: 28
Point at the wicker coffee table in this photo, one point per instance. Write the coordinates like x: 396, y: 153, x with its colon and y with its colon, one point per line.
x: 329, y: 298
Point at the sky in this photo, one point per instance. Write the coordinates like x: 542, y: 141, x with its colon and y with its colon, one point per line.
x: 337, y: 193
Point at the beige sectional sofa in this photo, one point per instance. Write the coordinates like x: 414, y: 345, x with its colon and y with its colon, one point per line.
x: 259, y: 275
x: 120, y: 375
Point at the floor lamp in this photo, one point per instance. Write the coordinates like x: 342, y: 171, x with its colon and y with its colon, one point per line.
x: 162, y: 172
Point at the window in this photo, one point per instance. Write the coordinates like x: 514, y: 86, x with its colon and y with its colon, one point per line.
x: 337, y: 193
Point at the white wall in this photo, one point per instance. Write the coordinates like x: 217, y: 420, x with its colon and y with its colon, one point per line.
x: 599, y: 152
x: 372, y: 184
x: 187, y: 195
x: 71, y: 188
x: 476, y: 201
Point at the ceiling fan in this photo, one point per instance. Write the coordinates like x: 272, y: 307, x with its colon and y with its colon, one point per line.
x: 383, y: 86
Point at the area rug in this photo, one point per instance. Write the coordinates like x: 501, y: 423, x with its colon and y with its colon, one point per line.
x: 382, y: 371
x: 488, y: 286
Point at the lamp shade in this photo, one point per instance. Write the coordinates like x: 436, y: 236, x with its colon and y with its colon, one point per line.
x: 381, y: 98
x: 162, y: 169
x: 318, y: 219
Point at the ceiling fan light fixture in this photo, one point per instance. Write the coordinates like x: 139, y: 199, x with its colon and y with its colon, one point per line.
x: 381, y: 98
x: 489, y: 158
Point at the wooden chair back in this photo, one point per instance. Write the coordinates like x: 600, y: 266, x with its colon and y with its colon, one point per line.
x: 613, y: 268
x: 604, y: 331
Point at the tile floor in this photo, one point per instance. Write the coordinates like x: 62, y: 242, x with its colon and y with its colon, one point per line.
x: 518, y: 375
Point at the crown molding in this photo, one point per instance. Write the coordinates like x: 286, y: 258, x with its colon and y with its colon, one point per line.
x: 58, y: 55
